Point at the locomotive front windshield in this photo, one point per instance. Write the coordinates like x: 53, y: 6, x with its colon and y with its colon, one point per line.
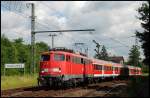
x: 45, y: 57
x: 59, y: 57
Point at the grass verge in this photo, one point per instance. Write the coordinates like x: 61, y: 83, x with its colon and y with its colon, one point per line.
x: 145, y: 74
x: 10, y: 82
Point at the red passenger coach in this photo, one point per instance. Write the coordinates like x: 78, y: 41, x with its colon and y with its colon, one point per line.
x: 134, y: 70
x: 117, y: 69
x: 104, y: 69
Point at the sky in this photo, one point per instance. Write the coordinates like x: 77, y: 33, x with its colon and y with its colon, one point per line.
x: 114, y: 23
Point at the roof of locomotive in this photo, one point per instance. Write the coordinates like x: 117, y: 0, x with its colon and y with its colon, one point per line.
x: 66, y: 51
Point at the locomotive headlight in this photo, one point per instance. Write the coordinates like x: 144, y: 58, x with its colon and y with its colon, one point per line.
x: 56, y: 69
x: 44, y: 70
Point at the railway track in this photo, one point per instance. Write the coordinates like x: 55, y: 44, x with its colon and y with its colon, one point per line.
x: 99, y: 89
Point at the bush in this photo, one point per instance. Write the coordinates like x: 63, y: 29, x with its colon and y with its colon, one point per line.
x: 145, y: 69
x: 138, y: 87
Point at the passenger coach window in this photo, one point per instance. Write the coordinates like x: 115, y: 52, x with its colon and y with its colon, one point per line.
x: 59, y: 57
x: 105, y: 68
x: 116, y: 68
x: 45, y: 57
x: 98, y: 67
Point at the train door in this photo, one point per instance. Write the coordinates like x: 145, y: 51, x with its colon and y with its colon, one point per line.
x: 102, y: 71
x: 113, y: 69
x: 83, y: 70
x: 68, y: 65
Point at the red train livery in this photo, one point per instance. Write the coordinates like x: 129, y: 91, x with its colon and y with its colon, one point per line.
x: 59, y: 66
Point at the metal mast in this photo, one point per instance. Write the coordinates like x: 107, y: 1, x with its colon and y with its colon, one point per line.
x: 32, y: 69
x: 53, y: 35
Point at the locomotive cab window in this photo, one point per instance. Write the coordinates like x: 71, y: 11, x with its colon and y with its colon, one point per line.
x: 68, y: 58
x: 59, y: 57
x: 78, y: 60
x: 82, y: 62
x: 45, y: 57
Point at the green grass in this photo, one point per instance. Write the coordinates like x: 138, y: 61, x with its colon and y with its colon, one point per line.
x: 10, y: 82
x: 145, y: 74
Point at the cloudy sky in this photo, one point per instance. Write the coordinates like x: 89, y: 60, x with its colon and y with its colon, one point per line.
x: 114, y: 21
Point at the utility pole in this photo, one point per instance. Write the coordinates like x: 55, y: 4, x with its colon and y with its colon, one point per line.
x: 98, y: 46
x: 136, y: 41
x: 32, y: 67
x: 53, y: 35
x: 98, y: 49
x: 86, y: 51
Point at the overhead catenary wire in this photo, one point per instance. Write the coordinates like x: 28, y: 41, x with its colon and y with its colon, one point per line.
x: 118, y: 41
x: 22, y: 14
x: 45, y: 25
x: 19, y: 15
x: 115, y: 47
x: 47, y: 5
x: 14, y: 6
x: 26, y: 17
x: 42, y: 3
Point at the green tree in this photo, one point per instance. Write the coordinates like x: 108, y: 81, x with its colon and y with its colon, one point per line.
x: 17, y: 52
x: 134, y: 56
x: 8, y: 54
x: 104, y: 54
x: 5, y: 43
x: 144, y: 35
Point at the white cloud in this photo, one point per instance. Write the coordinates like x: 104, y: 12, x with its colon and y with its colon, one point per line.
x: 114, y: 19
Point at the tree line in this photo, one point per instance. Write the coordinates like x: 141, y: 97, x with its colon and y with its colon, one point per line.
x: 143, y: 16
x: 17, y: 51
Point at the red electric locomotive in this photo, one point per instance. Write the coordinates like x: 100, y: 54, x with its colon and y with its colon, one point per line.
x: 60, y: 66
